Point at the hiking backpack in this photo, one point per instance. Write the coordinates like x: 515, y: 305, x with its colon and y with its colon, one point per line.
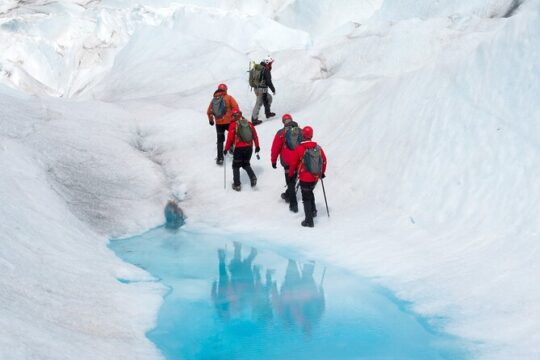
x: 219, y: 108
x: 243, y: 130
x: 312, y: 160
x: 293, y: 137
x: 255, y: 75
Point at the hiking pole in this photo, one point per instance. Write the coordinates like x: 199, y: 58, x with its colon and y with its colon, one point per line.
x: 324, y: 193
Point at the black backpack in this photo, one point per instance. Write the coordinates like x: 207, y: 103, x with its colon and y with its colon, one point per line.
x: 312, y: 160
x: 219, y: 108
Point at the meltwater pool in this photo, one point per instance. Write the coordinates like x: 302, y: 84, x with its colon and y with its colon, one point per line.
x: 230, y: 300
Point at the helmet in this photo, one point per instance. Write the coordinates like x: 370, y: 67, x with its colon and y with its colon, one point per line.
x: 236, y: 112
x: 307, y: 132
x: 222, y: 87
x: 286, y: 117
x: 268, y: 60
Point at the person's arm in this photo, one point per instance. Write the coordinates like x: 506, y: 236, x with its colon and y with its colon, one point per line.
x: 295, y: 160
x: 233, y: 104
x: 210, y: 114
x: 277, y: 145
x: 231, y: 134
x: 255, y: 137
x: 268, y: 80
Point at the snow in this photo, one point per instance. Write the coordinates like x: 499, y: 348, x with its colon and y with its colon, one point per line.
x: 428, y: 112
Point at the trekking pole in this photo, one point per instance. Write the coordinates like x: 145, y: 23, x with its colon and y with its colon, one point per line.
x: 324, y: 193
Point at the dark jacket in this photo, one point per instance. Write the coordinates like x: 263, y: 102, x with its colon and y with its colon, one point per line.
x: 267, y: 77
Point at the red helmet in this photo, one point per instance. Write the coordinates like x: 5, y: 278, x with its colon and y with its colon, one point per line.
x: 222, y: 87
x: 307, y: 132
x: 236, y: 112
x: 286, y: 117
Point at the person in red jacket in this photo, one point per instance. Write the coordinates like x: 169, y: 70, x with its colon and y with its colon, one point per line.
x: 281, y: 149
x: 242, y: 135
x: 220, y: 109
x: 308, y: 180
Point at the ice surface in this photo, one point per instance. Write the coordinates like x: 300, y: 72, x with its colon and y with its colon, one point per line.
x: 428, y: 112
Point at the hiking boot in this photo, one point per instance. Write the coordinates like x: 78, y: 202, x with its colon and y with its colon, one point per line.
x: 256, y: 122
x: 253, y: 181
x: 270, y: 114
x: 306, y: 223
x: 293, y: 208
x: 219, y: 161
x: 308, y: 210
x: 237, y: 187
x: 285, y: 197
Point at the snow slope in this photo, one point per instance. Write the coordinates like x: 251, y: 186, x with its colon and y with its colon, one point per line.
x: 428, y: 112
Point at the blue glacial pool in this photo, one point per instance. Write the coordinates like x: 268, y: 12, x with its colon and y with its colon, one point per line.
x: 228, y: 300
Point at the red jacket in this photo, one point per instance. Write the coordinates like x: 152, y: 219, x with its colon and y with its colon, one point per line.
x: 238, y: 143
x: 279, y: 148
x: 298, y: 165
x: 230, y: 103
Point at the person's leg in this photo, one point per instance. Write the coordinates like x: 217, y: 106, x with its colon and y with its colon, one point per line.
x: 307, y: 198
x: 237, y: 163
x: 285, y: 195
x: 220, y: 132
x: 267, y: 104
x: 291, y: 193
x: 246, y: 157
x: 257, y: 108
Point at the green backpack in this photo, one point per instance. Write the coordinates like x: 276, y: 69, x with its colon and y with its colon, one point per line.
x: 243, y: 130
x: 255, y: 75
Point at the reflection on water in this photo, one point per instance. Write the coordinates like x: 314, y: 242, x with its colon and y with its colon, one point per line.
x: 299, y: 302
x: 249, y: 303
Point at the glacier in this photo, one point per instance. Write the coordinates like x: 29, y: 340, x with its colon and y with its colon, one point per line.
x: 428, y: 112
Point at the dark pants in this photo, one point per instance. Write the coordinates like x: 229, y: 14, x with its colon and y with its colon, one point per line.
x: 266, y: 103
x: 241, y: 157
x: 308, y: 198
x: 220, y: 130
x: 291, y: 183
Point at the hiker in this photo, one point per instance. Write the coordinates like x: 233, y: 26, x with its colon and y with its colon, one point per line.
x: 285, y: 141
x: 261, y: 91
x: 309, y: 161
x: 242, y: 133
x: 220, y: 109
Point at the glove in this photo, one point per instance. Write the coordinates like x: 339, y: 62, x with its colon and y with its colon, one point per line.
x: 225, y: 152
x: 273, y: 93
x: 323, y: 176
x: 211, y: 122
x: 257, y: 149
x: 274, y: 165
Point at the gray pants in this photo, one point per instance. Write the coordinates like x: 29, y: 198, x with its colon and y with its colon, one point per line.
x: 263, y: 98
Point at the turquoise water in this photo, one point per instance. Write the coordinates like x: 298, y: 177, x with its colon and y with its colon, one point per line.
x: 228, y: 300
